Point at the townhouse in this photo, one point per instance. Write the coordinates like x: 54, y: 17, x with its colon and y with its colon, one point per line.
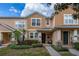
x: 62, y: 28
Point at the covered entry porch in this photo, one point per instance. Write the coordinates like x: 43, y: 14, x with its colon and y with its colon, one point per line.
x: 5, y: 37
x: 68, y: 35
x: 46, y: 35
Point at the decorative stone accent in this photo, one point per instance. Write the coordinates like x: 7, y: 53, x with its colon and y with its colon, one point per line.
x: 75, y: 38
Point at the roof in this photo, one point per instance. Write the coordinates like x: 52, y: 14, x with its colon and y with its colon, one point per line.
x: 12, y: 17
x: 68, y: 26
x: 38, y: 14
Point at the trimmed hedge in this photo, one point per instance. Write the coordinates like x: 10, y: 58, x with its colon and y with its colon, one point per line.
x: 76, y: 45
x: 14, y: 46
x: 37, y: 45
x: 30, y: 42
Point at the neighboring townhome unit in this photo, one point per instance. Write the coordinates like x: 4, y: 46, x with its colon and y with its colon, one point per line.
x: 8, y: 24
x: 66, y: 28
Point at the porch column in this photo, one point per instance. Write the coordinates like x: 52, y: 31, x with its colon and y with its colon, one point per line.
x: 75, y: 36
x: 25, y: 36
x: 13, y: 38
x: 59, y: 35
x: 0, y: 36
x: 39, y: 36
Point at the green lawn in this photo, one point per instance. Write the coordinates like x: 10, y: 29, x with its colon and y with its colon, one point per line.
x: 63, y: 51
x: 24, y: 52
x: 66, y: 53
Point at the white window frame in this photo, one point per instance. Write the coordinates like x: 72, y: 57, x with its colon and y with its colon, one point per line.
x: 20, y: 21
x: 33, y: 35
x: 68, y: 23
x: 36, y: 25
x: 48, y: 22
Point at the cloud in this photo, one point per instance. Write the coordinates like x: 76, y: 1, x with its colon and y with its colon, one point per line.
x: 12, y: 9
x: 37, y: 7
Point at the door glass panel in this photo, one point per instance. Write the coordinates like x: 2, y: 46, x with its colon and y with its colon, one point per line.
x: 65, y: 37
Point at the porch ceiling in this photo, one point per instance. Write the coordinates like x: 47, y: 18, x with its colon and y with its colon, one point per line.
x: 45, y: 29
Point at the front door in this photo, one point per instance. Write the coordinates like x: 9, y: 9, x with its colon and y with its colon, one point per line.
x: 43, y: 37
x: 49, y: 38
x: 6, y: 37
x: 65, y: 37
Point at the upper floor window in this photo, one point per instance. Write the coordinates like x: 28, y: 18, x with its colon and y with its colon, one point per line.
x: 20, y: 24
x: 68, y: 19
x: 48, y: 21
x: 35, y: 21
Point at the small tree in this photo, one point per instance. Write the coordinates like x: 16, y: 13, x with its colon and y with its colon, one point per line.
x: 19, y: 36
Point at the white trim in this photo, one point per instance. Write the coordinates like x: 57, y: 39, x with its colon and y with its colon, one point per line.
x: 33, y: 34
x: 36, y: 18
x: 25, y: 25
x: 68, y: 21
x: 49, y: 22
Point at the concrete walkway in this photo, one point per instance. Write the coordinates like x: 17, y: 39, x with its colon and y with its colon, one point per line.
x: 2, y: 46
x: 51, y: 51
x: 74, y: 52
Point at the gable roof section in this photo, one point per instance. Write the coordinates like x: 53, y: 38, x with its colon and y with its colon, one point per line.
x: 46, y: 16
x: 37, y: 14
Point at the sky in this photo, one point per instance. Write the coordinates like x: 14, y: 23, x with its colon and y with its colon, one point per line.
x: 42, y: 9
x: 23, y: 10
x: 11, y: 9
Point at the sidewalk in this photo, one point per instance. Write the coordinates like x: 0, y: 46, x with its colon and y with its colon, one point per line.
x: 51, y: 51
x: 74, y: 52
x: 4, y: 45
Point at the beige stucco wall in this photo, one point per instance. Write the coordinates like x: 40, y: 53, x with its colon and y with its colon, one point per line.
x: 56, y: 37
x: 42, y: 21
x: 10, y: 22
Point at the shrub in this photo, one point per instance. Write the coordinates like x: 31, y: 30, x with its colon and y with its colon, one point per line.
x: 60, y: 49
x: 14, y: 46
x: 37, y: 45
x: 30, y: 42
x: 76, y: 45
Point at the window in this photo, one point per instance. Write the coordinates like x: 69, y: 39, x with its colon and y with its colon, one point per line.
x: 35, y: 22
x: 68, y: 19
x: 48, y: 21
x: 33, y: 35
x: 20, y: 24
